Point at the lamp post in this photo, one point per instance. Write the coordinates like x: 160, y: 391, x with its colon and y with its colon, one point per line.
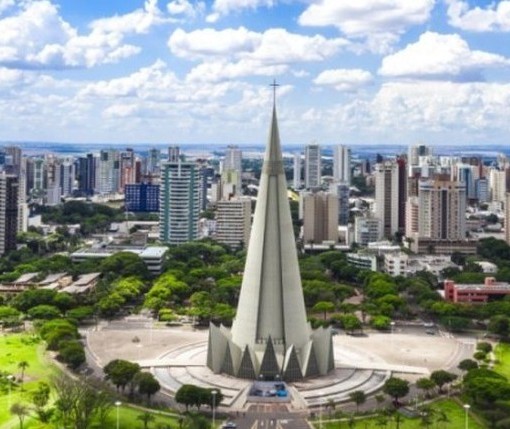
x: 9, y: 384
x: 466, y: 408
x: 117, y: 405
x: 214, y: 393
x: 320, y: 410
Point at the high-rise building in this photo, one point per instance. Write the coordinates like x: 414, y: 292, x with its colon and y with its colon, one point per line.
x: 233, y: 222
x: 341, y: 190
x: 466, y: 174
x: 367, y: 230
x: 14, y: 155
x: 497, y: 185
x: 108, y: 172
x: 127, y: 168
x: 402, y: 193
x: 180, y: 199
x: 507, y: 218
x: 67, y: 174
x: 9, y: 209
x: 174, y: 154
x: 270, y: 336
x: 313, y: 178
x: 414, y: 154
x: 141, y: 197
x: 482, y: 190
x: 153, y: 162
x: 442, y: 209
x: 320, y: 217
x: 412, y: 213
x: 232, y: 170
x: 36, y: 177
x: 87, y: 174
x: 233, y: 158
x: 342, y: 164
x: 387, y: 196
x: 296, y: 182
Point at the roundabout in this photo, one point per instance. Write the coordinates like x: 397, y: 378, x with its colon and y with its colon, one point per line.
x: 177, y: 356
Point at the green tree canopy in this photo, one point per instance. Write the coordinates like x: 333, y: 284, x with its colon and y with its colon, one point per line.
x: 396, y: 388
x: 442, y: 377
x: 121, y: 372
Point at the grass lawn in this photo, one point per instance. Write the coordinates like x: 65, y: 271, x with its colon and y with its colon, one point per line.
x: 454, y: 412
x: 502, y: 353
x: 15, y: 348
x: 128, y: 419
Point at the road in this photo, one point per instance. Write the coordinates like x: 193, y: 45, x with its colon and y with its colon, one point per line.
x: 270, y: 416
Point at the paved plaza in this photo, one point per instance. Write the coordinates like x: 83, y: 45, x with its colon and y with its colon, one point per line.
x: 177, y: 355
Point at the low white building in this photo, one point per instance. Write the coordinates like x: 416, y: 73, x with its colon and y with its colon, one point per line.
x: 395, y: 263
x: 487, y: 267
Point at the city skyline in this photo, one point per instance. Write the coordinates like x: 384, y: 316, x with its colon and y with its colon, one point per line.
x: 195, y: 72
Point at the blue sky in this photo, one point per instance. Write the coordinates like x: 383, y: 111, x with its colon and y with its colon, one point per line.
x: 184, y: 71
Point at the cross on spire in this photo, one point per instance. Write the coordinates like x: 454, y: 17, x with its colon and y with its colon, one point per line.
x: 274, y: 85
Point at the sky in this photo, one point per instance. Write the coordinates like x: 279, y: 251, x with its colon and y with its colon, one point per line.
x: 185, y: 72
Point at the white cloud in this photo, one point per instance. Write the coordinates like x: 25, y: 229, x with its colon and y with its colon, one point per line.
x: 37, y: 37
x: 440, y: 56
x: 148, y: 82
x: 211, y: 42
x: 139, y: 21
x: 344, y: 79
x: 217, y: 71
x: 380, y: 21
x: 185, y: 8
x: 441, y: 106
x: 494, y: 17
x: 224, y: 7
x: 233, y: 53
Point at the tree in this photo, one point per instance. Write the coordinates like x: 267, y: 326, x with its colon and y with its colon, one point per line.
x: 124, y: 264
x: 425, y: 384
x: 23, y: 365
x: 442, y: 377
x: 484, y: 347
x: 350, y: 322
x: 44, y: 311
x: 396, y: 388
x: 358, y: 397
x: 7, y: 314
x: 186, y: 395
x: 21, y: 411
x: 467, y: 365
x: 57, y: 330
x: 499, y: 325
x: 381, y: 322
x: 146, y: 418
x: 147, y: 384
x: 77, y: 402
x: 121, y: 372
x: 72, y: 353
x: 40, y: 398
x: 323, y: 307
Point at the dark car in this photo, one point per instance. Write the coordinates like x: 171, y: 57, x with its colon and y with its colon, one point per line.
x: 229, y: 425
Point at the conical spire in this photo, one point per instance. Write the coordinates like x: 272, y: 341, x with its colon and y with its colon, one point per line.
x: 271, y: 314
x: 271, y: 302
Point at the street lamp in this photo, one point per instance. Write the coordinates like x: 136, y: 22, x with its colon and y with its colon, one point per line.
x: 117, y: 405
x: 214, y: 393
x: 10, y: 378
x: 320, y: 410
x: 466, y: 408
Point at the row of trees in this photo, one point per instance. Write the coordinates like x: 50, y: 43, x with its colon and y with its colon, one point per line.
x: 122, y: 374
